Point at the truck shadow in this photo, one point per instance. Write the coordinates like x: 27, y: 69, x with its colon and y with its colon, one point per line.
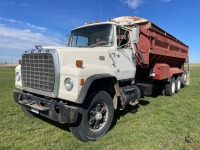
x: 153, y: 95
x: 128, y: 109
x: 144, y: 102
x: 62, y: 126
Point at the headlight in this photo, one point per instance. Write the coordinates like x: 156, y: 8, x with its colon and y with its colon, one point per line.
x: 17, y: 76
x: 68, y: 84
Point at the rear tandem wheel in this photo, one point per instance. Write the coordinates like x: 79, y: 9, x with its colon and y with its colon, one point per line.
x: 177, y: 84
x: 170, y: 87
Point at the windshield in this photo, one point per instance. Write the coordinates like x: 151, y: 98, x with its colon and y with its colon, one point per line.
x: 91, y: 36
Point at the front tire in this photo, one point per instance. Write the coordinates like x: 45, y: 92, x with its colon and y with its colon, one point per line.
x: 96, y: 115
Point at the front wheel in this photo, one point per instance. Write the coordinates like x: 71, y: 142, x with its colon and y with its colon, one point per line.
x: 95, y: 118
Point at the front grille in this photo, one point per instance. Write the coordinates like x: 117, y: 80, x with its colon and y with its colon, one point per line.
x: 38, y: 71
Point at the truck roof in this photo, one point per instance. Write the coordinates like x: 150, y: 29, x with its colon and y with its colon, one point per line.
x: 123, y: 20
x: 129, y: 20
x: 92, y: 24
x: 110, y: 21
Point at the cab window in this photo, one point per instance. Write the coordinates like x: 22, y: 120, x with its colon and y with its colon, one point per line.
x: 123, y: 38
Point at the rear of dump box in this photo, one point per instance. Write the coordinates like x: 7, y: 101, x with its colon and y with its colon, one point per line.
x: 157, y: 51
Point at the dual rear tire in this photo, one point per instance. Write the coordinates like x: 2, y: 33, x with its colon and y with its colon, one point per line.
x: 170, y: 87
x: 183, y: 79
x: 173, y: 86
x: 177, y: 84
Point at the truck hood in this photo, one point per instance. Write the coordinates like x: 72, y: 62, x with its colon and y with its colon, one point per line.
x: 95, y: 56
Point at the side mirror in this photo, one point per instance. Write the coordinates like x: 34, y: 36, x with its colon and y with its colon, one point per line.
x: 135, y: 34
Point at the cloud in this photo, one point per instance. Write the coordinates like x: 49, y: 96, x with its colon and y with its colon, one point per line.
x: 12, y: 38
x: 133, y: 4
x: 165, y: 1
x: 14, y: 41
x: 23, y: 24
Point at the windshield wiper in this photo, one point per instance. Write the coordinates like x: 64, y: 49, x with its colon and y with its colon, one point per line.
x: 103, y: 42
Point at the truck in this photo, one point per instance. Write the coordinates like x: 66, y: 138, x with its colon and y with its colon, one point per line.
x: 104, y: 67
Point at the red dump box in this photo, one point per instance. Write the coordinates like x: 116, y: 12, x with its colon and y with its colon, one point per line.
x: 158, y: 51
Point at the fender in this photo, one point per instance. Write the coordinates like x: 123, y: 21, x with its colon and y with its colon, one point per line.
x: 88, y: 82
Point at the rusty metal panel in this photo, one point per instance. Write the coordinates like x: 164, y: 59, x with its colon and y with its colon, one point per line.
x: 154, y: 40
x: 162, y: 71
x: 175, y: 71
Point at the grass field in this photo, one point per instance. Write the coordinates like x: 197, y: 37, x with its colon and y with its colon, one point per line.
x: 159, y: 122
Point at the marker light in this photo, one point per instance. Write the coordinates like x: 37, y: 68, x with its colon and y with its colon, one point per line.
x: 82, y: 81
x: 79, y: 63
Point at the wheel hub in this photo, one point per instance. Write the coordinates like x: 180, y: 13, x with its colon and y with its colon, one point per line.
x: 98, y: 116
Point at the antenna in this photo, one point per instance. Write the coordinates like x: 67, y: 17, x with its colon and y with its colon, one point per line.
x: 100, y: 10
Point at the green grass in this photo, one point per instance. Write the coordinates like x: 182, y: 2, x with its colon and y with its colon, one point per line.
x: 158, y: 123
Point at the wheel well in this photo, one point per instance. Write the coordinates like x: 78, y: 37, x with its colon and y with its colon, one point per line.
x: 106, y: 84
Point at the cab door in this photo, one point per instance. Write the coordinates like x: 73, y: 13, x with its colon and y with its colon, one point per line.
x: 125, y: 57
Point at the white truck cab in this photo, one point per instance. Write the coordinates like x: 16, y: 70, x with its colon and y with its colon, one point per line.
x: 59, y: 82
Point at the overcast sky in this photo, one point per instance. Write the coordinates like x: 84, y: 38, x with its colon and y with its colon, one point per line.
x: 25, y: 23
